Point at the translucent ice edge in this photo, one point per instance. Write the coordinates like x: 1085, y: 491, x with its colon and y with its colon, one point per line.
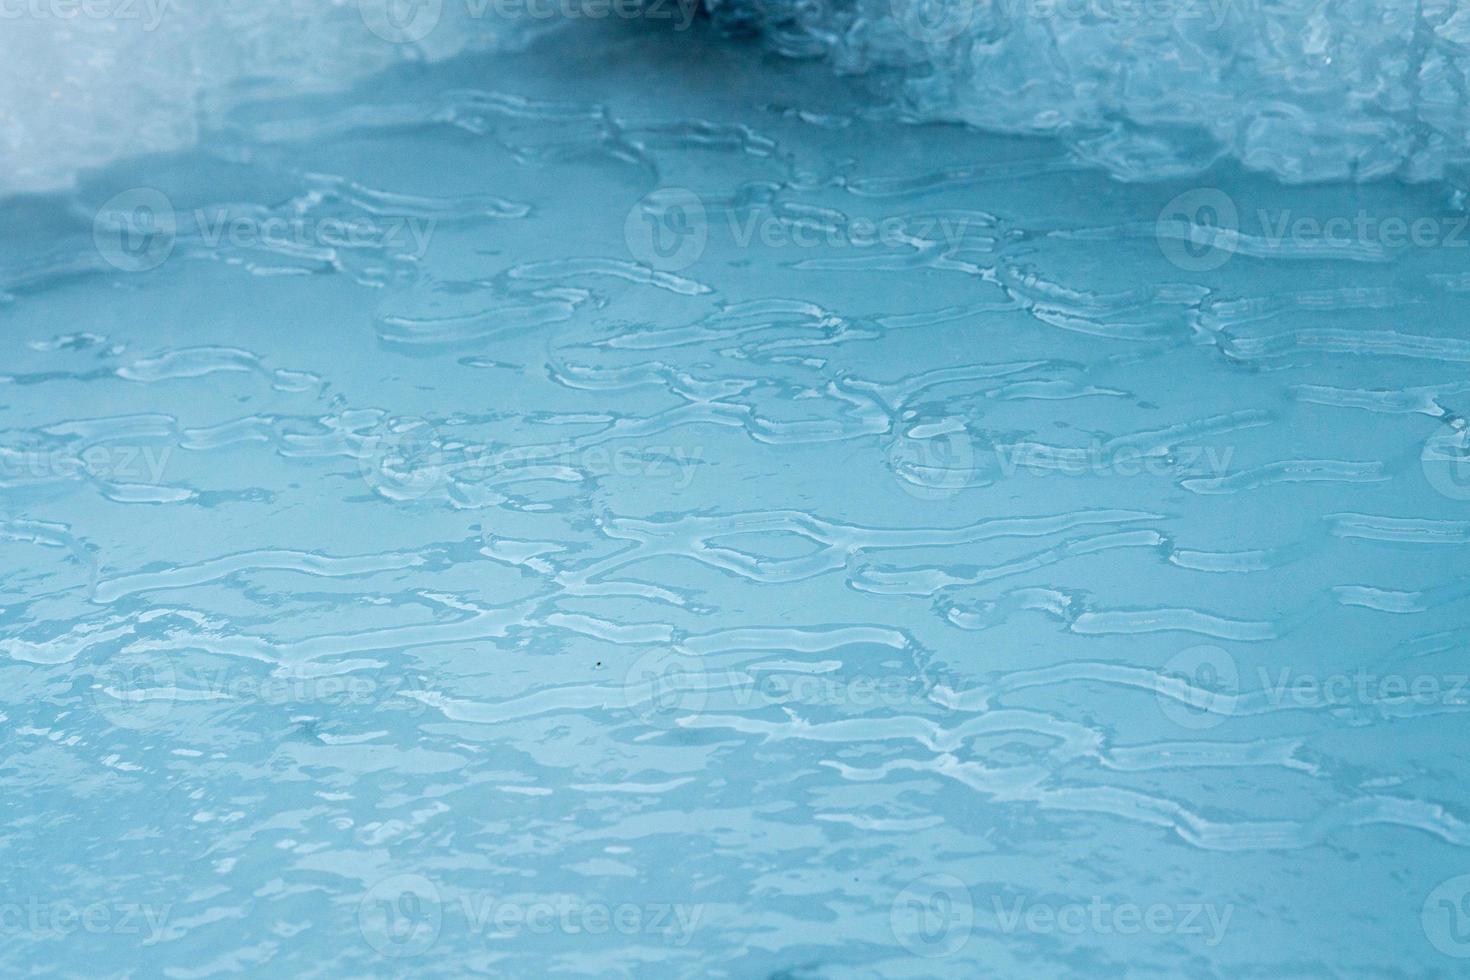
x: 86, y: 82
x: 1305, y: 90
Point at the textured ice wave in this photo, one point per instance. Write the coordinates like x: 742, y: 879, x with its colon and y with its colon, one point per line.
x: 1303, y: 89
x: 88, y: 83
x: 840, y: 604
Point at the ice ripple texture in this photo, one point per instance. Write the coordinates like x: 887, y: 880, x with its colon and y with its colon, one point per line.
x: 528, y: 518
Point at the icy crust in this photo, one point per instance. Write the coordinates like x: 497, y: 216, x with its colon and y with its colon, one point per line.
x: 89, y: 81
x: 1306, y: 90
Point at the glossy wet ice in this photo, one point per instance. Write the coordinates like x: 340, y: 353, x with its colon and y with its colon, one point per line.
x: 636, y: 508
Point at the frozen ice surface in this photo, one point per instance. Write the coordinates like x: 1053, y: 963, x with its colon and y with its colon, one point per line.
x: 629, y: 508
